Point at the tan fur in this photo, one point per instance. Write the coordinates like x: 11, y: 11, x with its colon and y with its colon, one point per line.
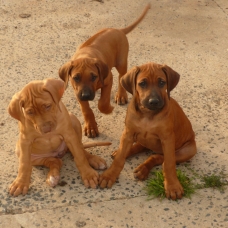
x: 47, y: 131
x: 90, y: 70
x: 154, y: 121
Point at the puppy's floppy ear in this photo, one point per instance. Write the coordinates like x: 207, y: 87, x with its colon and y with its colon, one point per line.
x: 103, y: 70
x: 15, y: 107
x: 55, y: 87
x: 64, y: 72
x: 129, y: 79
x: 172, y: 78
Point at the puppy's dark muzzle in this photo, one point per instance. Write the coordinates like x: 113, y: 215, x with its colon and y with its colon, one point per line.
x: 154, y: 103
x: 45, y: 127
x: 86, y: 95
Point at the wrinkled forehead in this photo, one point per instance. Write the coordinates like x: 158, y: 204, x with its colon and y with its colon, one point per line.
x: 151, y: 72
x: 83, y: 66
x: 36, y: 97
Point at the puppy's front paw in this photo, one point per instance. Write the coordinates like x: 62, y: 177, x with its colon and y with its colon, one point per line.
x: 107, y: 179
x: 19, y: 187
x: 121, y: 98
x: 174, y: 190
x: 90, y: 178
x: 91, y: 129
x: 141, y: 172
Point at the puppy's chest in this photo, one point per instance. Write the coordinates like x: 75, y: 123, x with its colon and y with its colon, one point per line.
x: 146, y: 132
x: 47, y: 144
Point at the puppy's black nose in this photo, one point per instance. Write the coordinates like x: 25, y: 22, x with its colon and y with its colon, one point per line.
x: 86, y: 95
x: 154, y: 101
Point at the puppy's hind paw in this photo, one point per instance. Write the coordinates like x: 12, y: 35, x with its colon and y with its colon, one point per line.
x: 141, y: 172
x: 52, y: 181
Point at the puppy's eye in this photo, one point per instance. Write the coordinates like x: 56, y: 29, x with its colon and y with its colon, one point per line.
x: 30, y: 112
x: 161, y: 83
x: 48, y: 107
x: 93, y: 77
x: 77, y: 78
x: 143, y: 84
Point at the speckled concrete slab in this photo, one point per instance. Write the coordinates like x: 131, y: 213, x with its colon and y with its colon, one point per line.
x: 37, y: 37
x: 134, y: 212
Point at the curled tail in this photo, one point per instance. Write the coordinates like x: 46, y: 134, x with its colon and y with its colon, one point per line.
x: 133, y: 25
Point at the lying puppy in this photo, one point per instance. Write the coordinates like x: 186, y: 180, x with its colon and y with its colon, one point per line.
x: 47, y: 131
x: 90, y: 70
x: 154, y: 121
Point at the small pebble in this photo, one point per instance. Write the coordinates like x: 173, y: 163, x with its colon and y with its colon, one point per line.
x: 24, y: 15
x: 80, y: 223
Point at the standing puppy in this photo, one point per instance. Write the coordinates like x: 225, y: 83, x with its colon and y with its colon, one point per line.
x: 154, y: 121
x: 90, y: 70
x: 47, y: 131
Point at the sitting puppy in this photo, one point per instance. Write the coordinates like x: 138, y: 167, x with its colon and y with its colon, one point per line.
x: 47, y: 131
x: 90, y: 70
x: 154, y: 121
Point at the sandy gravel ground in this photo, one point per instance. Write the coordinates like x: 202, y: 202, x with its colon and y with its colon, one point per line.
x: 189, y: 36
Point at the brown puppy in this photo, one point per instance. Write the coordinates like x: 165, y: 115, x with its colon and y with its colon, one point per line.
x: 47, y: 130
x: 90, y: 70
x: 154, y: 121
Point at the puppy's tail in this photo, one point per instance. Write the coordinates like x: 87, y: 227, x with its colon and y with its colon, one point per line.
x: 133, y: 25
x: 93, y: 144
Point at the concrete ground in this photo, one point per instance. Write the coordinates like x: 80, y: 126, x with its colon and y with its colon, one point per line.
x: 189, y: 36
